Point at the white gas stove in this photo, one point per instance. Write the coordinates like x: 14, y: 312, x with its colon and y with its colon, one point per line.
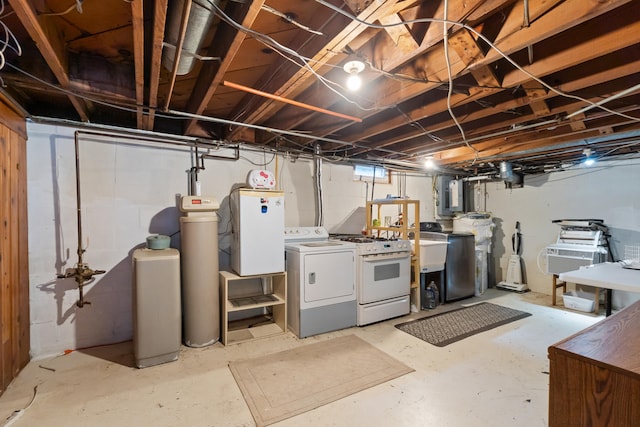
x: 383, y: 278
x: 378, y: 246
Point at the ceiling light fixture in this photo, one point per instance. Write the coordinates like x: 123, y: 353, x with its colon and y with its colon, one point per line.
x: 429, y: 163
x: 353, y: 68
x: 589, y: 160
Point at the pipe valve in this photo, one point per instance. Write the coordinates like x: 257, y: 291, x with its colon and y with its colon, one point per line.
x: 82, y: 275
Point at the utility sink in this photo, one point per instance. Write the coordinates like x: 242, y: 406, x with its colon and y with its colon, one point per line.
x: 433, y: 254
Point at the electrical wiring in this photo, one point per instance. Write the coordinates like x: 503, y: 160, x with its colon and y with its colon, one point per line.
x: 445, y: 42
x: 304, y: 62
x: 281, y: 49
x: 77, y: 6
x: 6, y: 43
x: 181, y: 115
x: 289, y: 18
x: 486, y: 40
x: 264, y: 163
x: 18, y: 413
x: 413, y: 79
x: 607, y: 153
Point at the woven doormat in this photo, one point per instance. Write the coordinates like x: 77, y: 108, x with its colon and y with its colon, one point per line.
x: 290, y: 382
x: 446, y: 328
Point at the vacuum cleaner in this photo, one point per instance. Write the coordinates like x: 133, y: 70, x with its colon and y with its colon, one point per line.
x: 514, y: 268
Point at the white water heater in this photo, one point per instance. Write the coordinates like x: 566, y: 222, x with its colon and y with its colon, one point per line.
x: 257, y: 246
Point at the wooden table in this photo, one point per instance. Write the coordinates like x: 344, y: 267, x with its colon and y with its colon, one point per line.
x: 595, y: 374
x: 607, y: 275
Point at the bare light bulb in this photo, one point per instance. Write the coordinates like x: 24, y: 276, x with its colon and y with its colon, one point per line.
x: 354, y: 82
x: 353, y: 68
x: 428, y: 163
x: 589, y: 160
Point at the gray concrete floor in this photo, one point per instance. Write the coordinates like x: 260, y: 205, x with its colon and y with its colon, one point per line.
x: 495, y: 378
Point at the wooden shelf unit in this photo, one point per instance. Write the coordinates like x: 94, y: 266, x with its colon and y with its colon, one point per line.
x: 375, y: 211
x: 248, y: 329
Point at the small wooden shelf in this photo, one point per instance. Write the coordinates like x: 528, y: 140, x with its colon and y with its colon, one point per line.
x: 253, y: 327
x: 404, y: 230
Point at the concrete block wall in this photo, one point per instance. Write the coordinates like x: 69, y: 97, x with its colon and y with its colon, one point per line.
x: 130, y: 190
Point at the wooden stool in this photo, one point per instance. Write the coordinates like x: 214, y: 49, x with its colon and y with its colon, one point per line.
x: 556, y: 284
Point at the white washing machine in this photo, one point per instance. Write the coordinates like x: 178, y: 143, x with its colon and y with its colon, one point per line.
x: 321, y: 288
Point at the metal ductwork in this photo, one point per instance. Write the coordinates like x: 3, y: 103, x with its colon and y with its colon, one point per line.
x: 508, y: 175
x: 198, y: 23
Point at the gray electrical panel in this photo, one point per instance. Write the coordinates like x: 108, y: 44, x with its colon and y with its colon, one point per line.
x: 450, y: 195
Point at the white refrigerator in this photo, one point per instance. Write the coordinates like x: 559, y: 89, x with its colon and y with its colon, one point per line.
x: 257, y: 217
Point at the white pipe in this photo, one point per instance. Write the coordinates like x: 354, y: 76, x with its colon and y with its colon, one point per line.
x: 599, y: 103
x: 318, y: 186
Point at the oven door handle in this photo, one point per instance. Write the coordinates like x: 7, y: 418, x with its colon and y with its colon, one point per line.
x: 376, y: 258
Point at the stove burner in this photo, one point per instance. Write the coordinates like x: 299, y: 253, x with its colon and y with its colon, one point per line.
x: 366, y: 239
x: 354, y: 239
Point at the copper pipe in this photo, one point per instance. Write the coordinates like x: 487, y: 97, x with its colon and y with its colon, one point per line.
x: 81, y: 271
x: 290, y: 101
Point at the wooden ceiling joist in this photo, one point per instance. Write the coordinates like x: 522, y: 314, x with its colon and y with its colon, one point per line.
x: 50, y: 45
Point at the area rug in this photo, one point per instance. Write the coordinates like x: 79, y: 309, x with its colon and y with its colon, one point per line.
x: 288, y: 383
x: 446, y: 328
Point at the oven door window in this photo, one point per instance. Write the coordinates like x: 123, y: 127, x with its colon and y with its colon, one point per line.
x: 386, y: 272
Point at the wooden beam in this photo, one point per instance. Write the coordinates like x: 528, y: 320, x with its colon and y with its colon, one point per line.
x: 424, y: 111
x: 577, y: 122
x: 416, y: 147
x: 397, y: 62
x: 536, y: 93
x: 468, y: 50
x: 291, y: 85
x: 550, y: 24
x: 138, y: 57
x: 399, y: 33
x: 50, y: 45
x: 159, y: 21
x: 226, y: 47
x: 177, y: 52
x: 531, y: 138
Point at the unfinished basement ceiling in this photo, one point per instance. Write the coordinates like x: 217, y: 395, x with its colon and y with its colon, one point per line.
x: 512, y: 81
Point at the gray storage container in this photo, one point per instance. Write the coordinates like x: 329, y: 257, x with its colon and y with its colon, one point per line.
x: 156, y: 306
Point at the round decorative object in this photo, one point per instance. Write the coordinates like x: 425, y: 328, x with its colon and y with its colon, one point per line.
x: 158, y: 241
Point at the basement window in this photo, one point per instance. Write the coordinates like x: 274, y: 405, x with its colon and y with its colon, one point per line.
x: 368, y: 173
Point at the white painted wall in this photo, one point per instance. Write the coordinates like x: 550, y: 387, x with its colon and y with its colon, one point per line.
x: 129, y: 191
x: 607, y: 191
